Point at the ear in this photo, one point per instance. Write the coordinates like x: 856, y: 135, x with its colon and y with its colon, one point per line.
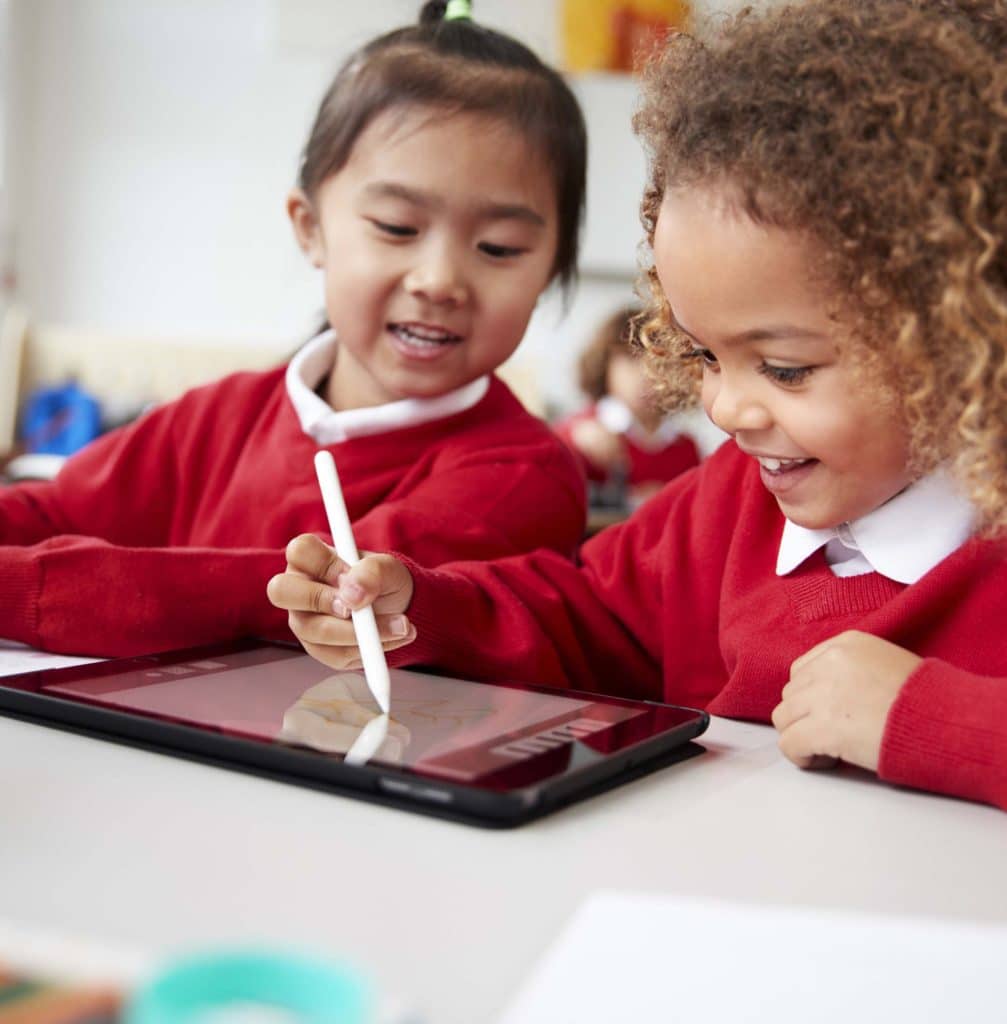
x: 307, y: 230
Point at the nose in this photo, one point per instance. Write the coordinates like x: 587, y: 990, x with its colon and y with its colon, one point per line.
x: 733, y: 406
x: 438, y: 276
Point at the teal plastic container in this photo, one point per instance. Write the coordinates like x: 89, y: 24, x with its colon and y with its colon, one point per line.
x: 203, y: 988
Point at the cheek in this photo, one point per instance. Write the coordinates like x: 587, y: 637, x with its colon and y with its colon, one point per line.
x: 359, y: 285
x: 708, y: 392
x: 869, y: 443
x: 877, y: 431
x: 890, y: 454
x: 510, y: 304
x: 828, y: 422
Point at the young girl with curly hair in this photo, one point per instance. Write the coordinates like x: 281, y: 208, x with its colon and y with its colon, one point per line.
x: 827, y: 209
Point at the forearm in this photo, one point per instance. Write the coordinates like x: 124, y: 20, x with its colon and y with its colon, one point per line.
x: 77, y: 595
x: 947, y: 733
x: 535, y: 619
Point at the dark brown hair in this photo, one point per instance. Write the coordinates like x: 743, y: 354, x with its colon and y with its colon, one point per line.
x: 458, y: 65
x: 878, y: 130
x: 614, y: 336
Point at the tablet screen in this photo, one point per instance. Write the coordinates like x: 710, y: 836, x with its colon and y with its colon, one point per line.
x: 495, y: 736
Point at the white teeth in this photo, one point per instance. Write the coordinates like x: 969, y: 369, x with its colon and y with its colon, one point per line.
x: 417, y: 332
x: 775, y: 465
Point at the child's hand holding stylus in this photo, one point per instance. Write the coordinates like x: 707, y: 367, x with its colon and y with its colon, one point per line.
x: 319, y: 590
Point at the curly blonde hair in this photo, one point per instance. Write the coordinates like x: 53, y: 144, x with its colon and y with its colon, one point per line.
x: 879, y: 130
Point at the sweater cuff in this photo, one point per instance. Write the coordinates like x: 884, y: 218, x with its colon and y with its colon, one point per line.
x: 20, y: 587
x: 947, y: 733
x: 437, y: 638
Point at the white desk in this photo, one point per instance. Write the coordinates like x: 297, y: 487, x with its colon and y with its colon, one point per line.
x: 138, y: 848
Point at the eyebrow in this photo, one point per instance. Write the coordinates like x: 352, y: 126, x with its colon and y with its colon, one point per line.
x: 789, y: 331
x: 420, y: 197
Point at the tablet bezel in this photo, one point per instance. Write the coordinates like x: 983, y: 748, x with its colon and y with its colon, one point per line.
x: 398, y: 786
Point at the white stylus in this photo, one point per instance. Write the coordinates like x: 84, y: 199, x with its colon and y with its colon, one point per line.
x: 372, y: 654
x: 368, y: 742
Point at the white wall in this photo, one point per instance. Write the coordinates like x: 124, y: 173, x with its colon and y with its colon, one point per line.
x: 160, y: 142
x: 154, y: 143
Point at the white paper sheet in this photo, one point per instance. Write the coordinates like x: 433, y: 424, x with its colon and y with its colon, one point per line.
x: 639, y: 957
x: 16, y: 658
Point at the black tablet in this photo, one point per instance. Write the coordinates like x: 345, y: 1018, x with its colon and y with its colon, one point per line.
x: 497, y: 754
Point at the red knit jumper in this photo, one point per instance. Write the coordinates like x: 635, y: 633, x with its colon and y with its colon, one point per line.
x: 164, y: 534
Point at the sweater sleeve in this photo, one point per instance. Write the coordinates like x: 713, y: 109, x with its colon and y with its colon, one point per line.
x: 536, y: 618
x: 947, y: 732
x: 100, y: 491
x: 95, y: 562
x: 80, y: 595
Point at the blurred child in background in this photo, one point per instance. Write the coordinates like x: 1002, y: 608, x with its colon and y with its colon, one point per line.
x: 628, y: 447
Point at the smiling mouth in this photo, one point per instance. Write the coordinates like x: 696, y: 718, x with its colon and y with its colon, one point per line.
x: 424, y: 338
x: 779, y: 466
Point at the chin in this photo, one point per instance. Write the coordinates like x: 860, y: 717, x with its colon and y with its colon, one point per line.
x: 811, y: 519
x: 432, y: 390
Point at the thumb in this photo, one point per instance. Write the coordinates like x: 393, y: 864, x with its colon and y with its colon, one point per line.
x: 381, y: 580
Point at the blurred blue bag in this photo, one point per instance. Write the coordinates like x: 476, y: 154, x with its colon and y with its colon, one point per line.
x: 60, y: 420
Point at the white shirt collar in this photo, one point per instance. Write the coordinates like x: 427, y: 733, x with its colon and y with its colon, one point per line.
x: 614, y: 415
x: 326, y: 426
x: 903, y: 539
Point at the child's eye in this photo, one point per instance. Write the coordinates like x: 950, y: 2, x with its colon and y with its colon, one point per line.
x: 786, y: 374
x: 395, y: 230
x: 500, y: 252
x: 708, y: 359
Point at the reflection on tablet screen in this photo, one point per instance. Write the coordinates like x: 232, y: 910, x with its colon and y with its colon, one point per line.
x: 453, y: 729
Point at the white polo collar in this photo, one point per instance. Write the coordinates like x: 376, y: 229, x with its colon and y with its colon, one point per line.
x: 903, y: 539
x: 327, y: 426
x: 614, y: 415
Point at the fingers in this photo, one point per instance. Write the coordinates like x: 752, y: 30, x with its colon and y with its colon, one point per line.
x: 850, y: 639
x: 317, y: 580
x: 804, y: 744
x: 799, y: 666
x: 333, y: 641
x: 822, y: 761
x: 295, y: 593
x: 319, y: 592
x: 394, y: 630
x: 790, y: 710
x: 380, y: 579
x: 359, y: 586
x: 311, y: 556
x: 319, y: 620
x: 808, y: 667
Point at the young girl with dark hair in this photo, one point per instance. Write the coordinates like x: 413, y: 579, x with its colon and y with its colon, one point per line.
x: 440, y: 193
x: 827, y: 210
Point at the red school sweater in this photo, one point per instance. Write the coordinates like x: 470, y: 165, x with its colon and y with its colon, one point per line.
x: 164, y: 534
x: 646, y: 465
x: 682, y: 603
